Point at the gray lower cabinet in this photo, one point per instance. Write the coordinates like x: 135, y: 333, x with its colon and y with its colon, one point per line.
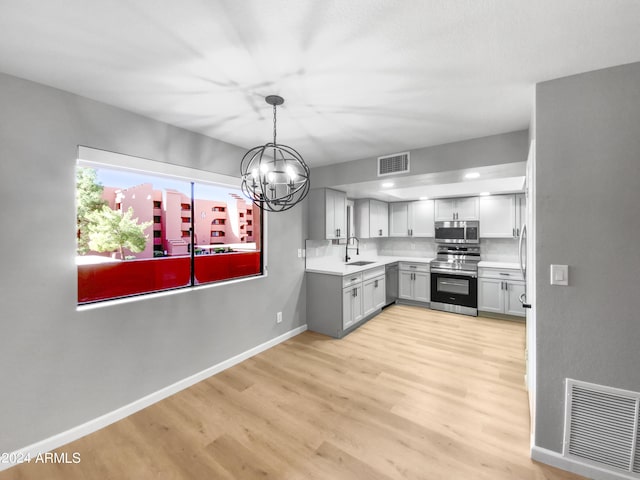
x: 373, y: 294
x: 499, y: 291
x: 414, y: 282
x: 338, y: 304
x: 352, y: 306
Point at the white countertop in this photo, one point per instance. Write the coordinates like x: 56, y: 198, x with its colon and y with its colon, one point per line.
x: 333, y: 266
x: 504, y: 265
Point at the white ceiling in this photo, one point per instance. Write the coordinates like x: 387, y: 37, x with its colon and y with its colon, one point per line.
x: 360, y: 78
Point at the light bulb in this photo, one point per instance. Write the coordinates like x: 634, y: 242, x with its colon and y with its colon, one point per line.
x: 291, y: 172
x: 271, y: 176
x: 254, y: 173
x: 264, y: 167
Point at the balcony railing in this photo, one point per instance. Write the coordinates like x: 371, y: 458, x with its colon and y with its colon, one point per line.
x: 121, y: 279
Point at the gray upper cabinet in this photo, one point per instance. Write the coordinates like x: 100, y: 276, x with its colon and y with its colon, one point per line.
x: 465, y: 208
x: 399, y: 219
x: 328, y: 214
x: 411, y: 219
x: 501, y: 216
x: 371, y: 218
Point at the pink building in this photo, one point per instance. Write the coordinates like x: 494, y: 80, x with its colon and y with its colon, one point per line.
x: 215, y: 222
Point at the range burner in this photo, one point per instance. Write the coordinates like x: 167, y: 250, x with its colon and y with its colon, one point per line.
x: 463, y: 257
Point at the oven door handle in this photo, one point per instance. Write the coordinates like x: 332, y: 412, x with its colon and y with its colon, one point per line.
x: 463, y: 273
x: 454, y: 283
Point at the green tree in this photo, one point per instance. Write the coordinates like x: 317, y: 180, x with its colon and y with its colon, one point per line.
x: 88, y: 200
x: 111, y: 231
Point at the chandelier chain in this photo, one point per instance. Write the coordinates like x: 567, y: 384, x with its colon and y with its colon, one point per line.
x: 274, y: 124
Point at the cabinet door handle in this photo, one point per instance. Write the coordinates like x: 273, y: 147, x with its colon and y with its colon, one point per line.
x: 502, y: 273
x: 513, y: 230
x: 375, y: 284
x: 413, y: 266
x: 517, y: 232
x: 380, y: 232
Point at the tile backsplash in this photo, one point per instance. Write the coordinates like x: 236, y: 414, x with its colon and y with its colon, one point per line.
x: 326, y: 248
x: 499, y: 249
x: 492, y: 249
x: 407, y: 247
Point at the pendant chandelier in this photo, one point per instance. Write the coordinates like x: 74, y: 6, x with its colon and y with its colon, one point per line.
x: 274, y: 176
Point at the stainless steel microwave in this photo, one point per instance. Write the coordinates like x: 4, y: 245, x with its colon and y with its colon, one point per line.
x: 458, y: 231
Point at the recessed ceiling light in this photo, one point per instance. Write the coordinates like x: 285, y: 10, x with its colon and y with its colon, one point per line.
x: 424, y: 198
x: 472, y: 175
x: 484, y: 194
x: 387, y: 184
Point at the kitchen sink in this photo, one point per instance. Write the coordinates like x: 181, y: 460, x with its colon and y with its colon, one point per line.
x: 359, y: 263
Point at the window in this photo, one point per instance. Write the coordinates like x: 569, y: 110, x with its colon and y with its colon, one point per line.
x: 150, y: 252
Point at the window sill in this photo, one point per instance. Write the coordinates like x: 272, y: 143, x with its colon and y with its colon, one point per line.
x: 166, y: 293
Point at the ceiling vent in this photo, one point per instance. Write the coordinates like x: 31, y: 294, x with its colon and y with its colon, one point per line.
x: 601, y: 427
x: 392, y: 164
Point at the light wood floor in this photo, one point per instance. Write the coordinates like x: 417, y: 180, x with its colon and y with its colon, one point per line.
x: 413, y: 394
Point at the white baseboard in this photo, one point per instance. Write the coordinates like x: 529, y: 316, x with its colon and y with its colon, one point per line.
x: 573, y: 465
x: 60, y: 439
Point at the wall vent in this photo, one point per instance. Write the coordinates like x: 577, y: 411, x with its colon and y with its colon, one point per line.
x: 602, y: 426
x: 395, y: 163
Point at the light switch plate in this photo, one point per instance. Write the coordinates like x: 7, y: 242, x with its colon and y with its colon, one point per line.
x: 559, y: 274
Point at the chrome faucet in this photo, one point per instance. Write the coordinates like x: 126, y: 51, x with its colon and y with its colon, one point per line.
x: 346, y: 253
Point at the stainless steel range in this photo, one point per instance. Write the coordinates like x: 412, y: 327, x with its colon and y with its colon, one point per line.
x: 454, y: 279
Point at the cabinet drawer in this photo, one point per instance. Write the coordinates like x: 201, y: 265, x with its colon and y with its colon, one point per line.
x: 352, y: 279
x: 373, y: 272
x: 414, y: 267
x: 509, y: 274
x: 379, y: 278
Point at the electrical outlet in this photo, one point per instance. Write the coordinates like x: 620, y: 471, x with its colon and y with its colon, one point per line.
x: 279, y: 317
x: 304, y: 253
x: 299, y: 253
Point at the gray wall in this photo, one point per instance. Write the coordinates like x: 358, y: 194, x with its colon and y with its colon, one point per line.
x: 588, y: 199
x: 61, y: 367
x: 493, y: 150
